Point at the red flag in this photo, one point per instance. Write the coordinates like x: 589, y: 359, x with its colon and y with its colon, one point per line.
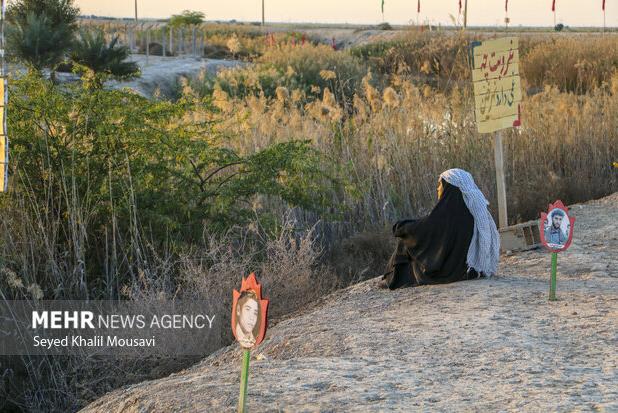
x: 553, y: 5
x: 603, y: 5
x: 506, y: 6
x: 459, y: 6
x: 418, y: 9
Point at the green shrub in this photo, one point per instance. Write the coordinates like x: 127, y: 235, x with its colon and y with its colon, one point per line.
x: 103, y: 173
x: 93, y: 52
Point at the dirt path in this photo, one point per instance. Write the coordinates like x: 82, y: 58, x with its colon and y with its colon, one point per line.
x: 485, y: 345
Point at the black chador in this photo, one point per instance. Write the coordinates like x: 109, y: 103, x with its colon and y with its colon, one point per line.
x: 433, y: 249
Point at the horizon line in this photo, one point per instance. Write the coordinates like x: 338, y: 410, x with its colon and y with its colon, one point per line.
x: 257, y: 22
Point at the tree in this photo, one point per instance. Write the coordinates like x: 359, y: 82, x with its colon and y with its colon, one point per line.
x: 57, y: 11
x: 37, y: 42
x: 94, y: 53
x: 187, y: 18
x: 41, y: 32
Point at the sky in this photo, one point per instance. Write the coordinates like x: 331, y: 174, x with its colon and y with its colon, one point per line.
x: 480, y: 12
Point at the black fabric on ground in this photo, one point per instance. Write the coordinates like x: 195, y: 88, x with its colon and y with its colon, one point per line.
x: 436, y: 246
x: 399, y: 269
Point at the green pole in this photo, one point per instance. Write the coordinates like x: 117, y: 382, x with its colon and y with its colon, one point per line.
x: 552, y: 285
x: 244, y: 376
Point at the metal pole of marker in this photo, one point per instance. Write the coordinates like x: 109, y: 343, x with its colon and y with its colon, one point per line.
x: 244, y: 378
x: 552, y: 282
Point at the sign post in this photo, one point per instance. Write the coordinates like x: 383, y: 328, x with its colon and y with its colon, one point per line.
x: 249, y: 321
x: 500, y: 181
x: 497, y: 96
x: 556, y: 230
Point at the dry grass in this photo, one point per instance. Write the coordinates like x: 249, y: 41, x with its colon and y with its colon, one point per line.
x: 400, y: 134
x: 394, y: 145
x: 572, y: 64
x: 288, y: 265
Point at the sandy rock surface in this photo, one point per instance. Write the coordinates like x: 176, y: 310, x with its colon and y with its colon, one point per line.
x: 483, y: 345
x: 158, y: 72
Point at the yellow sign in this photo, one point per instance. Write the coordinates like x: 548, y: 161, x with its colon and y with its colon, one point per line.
x: 497, y: 85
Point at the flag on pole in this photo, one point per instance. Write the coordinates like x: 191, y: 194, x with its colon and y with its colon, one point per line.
x: 459, y: 6
x: 382, y: 6
x: 603, y: 5
x: 418, y: 8
x: 553, y: 5
x: 506, y: 6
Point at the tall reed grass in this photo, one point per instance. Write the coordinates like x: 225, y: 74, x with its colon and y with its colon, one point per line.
x: 412, y: 117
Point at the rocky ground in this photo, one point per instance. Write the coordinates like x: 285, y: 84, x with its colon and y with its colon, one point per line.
x: 483, y: 345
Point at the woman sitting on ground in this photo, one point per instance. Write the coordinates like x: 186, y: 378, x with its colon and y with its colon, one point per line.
x: 457, y: 241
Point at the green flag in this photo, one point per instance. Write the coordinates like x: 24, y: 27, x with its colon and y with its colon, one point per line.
x: 382, y: 6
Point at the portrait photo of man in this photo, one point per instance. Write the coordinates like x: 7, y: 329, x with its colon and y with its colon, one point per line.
x: 247, y: 319
x: 556, y: 229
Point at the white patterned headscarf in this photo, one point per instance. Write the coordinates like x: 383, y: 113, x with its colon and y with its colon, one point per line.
x: 485, y: 245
